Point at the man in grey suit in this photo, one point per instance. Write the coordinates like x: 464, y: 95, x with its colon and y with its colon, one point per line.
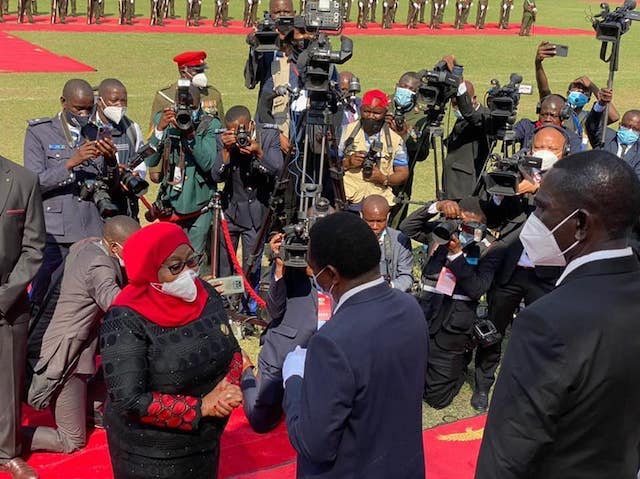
x: 61, y: 352
x: 22, y: 238
x: 396, y: 260
x: 58, y: 150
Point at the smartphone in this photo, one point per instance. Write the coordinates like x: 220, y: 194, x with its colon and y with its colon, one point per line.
x: 103, y: 133
x: 562, y: 50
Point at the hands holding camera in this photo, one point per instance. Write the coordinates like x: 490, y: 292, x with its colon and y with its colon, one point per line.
x: 449, y: 209
x: 167, y: 119
x: 230, y: 143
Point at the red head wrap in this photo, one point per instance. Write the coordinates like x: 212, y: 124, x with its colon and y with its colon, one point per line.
x: 375, y: 98
x: 143, y: 254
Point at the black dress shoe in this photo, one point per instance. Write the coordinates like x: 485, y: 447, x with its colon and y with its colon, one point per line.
x: 19, y: 469
x: 480, y: 401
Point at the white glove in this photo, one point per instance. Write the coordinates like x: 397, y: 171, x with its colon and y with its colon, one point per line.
x: 294, y: 364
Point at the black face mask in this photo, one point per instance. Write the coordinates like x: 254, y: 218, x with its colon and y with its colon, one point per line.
x: 76, y: 120
x: 371, y: 126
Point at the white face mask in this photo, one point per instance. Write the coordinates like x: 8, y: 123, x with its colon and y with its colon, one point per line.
x: 540, y: 244
x: 548, y: 158
x: 114, y: 113
x: 200, y: 80
x: 183, y: 287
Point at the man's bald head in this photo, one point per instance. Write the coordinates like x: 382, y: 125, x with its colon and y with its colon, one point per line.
x: 631, y: 119
x: 108, y: 85
x: 119, y: 228
x: 550, y: 109
x: 551, y: 139
x: 410, y: 80
x: 77, y: 98
x: 345, y: 79
x: 375, y: 212
x: 77, y: 88
x: 281, y: 8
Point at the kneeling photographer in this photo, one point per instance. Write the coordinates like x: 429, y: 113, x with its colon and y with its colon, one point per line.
x: 186, y: 150
x: 248, y: 162
x: 459, y: 269
x: 520, y: 278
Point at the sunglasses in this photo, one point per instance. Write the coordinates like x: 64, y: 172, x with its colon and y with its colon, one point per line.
x: 192, y: 262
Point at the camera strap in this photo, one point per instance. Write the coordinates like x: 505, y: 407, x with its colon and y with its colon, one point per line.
x: 388, y: 256
x: 387, y: 139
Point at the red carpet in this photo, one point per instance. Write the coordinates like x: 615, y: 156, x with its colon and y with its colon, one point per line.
x: 141, y: 25
x: 20, y: 56
x: 451, y: 452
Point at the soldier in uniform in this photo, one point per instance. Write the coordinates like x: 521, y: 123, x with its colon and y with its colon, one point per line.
x: 250, y: 16
x: 483, y: 5
x: 346, y: 10
x: 193, y: 12
x: 423, y: 7
x: 4, y: 7
x: 67, y: 162
x: 529, y: 12
x: 24, y: 8
x: 412, y: 16
x: 505, y: 12
x: 388, y: 12
x: 462, y: 13
x: 191, y: 65
x: 185, y: 160
x: 125, y: 11
x: 157, y: 12
x: 94, y: 11
x: 437, y: 13
x: 372, y: 9
x: 363, y: 13
x: 221, y: 14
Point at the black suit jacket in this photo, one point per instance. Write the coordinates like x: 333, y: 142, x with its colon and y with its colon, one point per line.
x: 358, y: 411
x: 22, y: 236
x: 566, y: 401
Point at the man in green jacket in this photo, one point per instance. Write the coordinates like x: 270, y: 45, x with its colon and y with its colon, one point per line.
x: 528, y: 17
x: 186, y: 150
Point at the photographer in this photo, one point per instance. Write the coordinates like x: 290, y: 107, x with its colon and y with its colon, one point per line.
x: 467, y: 144
x: 518, y: 279
x: 110, y: 120
x: 373, y: 156
x: 348, y: 84
x: 457, y: 272
x: 579, y: 93
x: 62, y: 346
x: 77, y: 174
x: 248, y: 162
x: 186, y: 151
x: 552, y: 110
x: 296, y: 310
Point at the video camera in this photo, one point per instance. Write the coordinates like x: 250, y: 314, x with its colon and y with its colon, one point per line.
x: 296, y: 236
x: 508, y: 172
x: 183, y: 106
x: 468, y: 233
x: 267, y: 35
x: 503, y: 106
x: 438, y: 86
x: 613, y: 24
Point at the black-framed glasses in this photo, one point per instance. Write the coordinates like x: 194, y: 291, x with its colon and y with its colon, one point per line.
x: 191, y: 262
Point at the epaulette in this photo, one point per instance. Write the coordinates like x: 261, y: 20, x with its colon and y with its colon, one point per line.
x: 38, y: 121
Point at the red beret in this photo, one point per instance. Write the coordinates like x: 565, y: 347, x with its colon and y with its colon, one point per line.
x: 190, y: 59
x: 375, y: 98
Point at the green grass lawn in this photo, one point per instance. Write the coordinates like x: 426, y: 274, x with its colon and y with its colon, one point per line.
x: 143, y: 62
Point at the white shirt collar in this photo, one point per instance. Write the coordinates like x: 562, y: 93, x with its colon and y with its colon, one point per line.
x: 356, y: 290
x: 595, y: 256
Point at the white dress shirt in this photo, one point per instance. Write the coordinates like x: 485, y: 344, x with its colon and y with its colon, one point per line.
x: 595, y: 256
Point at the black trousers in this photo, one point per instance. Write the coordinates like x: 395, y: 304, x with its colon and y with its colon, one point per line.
x: 13, y: 358
x: 503, y: 301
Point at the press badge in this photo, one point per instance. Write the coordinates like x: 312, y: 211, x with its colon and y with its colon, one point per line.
x: 177, y: 179
x: 56, y: 147
x: 324, y: 309
x: 446, y: 282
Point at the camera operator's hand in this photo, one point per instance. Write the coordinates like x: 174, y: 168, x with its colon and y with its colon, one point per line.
x: 354, y: 160
x: 545, y: 50
x: 450, y: 60
x: 228, y: 139
x: 449, y: 208
x: 254, y: 149
x: 168, y: 118
x: 275, y: 243
x: 526, y: 186
x: 377, y: 177
x: 454, y: 245
x: 588, y: 84
x: 85, y: 152
x: 403, y: 131
x: 605, y: 96
x: 107, y: 149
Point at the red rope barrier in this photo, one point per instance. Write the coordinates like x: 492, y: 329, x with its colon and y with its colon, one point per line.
x: 236, y: 264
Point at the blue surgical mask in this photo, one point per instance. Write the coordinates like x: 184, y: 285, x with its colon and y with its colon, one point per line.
x: 627, y: 136
x: 577, y: 99
x: 195, y: 115
x: 403, y: 97
x: 319, y: 288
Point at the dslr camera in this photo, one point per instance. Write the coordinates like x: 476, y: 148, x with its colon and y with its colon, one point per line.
x: 97, y: 190
x: 508, y: 172
x: 243, y: 140
x: 160, y: 209
x: 372, y: 159
x: 183, y: 107
x: 131, y: 183
x: 468, y: 232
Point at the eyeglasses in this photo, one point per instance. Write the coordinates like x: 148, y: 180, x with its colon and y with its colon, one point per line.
x: 192, y: 262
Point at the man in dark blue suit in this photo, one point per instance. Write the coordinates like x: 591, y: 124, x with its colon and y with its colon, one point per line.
x: 353, y: 400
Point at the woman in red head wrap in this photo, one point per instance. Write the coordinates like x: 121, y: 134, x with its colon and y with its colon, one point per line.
x: 171, y: 363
